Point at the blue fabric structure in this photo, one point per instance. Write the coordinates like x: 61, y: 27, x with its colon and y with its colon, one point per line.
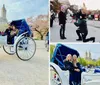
x: 22, y: 26
x: 97, y: 70
x: 60, y: 53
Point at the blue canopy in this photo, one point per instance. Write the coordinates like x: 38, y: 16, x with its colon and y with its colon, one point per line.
x: 21, y: 25
x: 60, y: 53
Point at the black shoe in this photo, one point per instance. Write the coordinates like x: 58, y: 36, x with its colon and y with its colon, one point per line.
x: 94, y: 39
x: 64, y: 37
x: 79, y: 39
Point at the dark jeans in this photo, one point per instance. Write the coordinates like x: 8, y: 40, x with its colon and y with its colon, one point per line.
x: 74, y: 83
x: 51, y: 22
x: 83, y: 36
x: 10, y: 39
x: 70, y: 83
x: 62, y: 31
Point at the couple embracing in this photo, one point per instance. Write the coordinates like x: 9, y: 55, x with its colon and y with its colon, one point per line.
x: 74, y: 68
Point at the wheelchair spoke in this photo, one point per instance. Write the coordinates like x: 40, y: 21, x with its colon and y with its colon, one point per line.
x: 27, y: 47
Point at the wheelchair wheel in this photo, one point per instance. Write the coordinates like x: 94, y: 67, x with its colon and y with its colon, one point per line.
x: 25, y: 48
x: 54, y: 77
x: 8, y: 49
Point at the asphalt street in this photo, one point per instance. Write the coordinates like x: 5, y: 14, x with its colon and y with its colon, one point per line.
x: 14, y: 71
x: 70, y: 33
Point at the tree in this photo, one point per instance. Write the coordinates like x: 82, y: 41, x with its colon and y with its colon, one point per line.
x: 55, y: 5
x: 41, y: 32
x: 52, y: 47
x: 39, y: 26
x: 82, y: 61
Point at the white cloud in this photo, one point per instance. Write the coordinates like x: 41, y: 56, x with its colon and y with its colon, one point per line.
x: 90, y: 4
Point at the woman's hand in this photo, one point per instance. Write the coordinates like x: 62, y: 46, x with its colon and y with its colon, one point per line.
x: 61, y: 25
x: 77, y: 70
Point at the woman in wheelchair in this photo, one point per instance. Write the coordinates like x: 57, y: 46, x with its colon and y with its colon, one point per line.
x: 11, y: 32
x: 73, y: 66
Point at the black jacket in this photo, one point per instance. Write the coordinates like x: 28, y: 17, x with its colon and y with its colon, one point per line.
x: 62, y: 18
x: 8, y: 31
x: 69, y: 66
x: 82, y: 25
x: 77, y: 75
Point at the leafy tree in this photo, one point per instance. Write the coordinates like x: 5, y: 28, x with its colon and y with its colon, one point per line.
x: 85, y: 62
x: 52, y: 47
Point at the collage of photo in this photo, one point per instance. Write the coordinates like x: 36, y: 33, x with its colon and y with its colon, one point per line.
x: 49, y: 42
x: 74, y: 42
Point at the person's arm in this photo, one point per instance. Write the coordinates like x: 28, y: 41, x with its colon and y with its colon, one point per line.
x: 79, y: 67
x: 6, y: 31
x: 16, y: 32
x: 68, y: 66
x: 78, y: 23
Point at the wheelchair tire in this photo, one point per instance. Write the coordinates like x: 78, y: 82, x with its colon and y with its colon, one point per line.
x: 55, y: 80
x: 23, y: 50
x: 7, y: 49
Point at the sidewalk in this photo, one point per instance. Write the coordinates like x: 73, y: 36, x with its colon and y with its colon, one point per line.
x: 94, y: 23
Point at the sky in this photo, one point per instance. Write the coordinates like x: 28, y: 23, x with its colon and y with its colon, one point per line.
x: 90, y: 4
x: 18, y: 9
x: 82, y: 48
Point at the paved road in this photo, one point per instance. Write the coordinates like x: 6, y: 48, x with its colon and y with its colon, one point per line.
x: 13, y: 71
x: 94, y: 23
x: 71, y: 32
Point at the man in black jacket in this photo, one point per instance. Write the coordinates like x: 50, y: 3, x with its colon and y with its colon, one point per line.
x: 82, y: 31
x: 62, y: 22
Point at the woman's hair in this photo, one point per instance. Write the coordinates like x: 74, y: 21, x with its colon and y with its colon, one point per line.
x: 75, y: 56
x: 67, y: 57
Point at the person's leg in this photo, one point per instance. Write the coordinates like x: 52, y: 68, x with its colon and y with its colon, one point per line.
x: 71, y: 83
x: 92, y: 39
x: 79, y: 34
x: 12, y: 39
x: 51, y: 22
x: 79, y: 83
x: 64, y: 31
x: 88, y: 39
x: 61, y: 36
x: 8, y: 39
x: 84, y: 37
